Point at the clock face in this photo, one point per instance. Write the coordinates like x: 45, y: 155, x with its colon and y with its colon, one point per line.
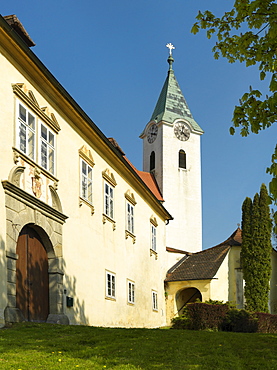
x: 182, y: 131
x: 152, y: 133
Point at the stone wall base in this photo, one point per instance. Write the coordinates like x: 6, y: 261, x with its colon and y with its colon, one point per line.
x: 57, y: 319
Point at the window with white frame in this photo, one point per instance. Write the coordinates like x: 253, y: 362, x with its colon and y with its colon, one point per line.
x: 153, y: 238
x: 130, y: 217
x: 86, y: 181
x: 26, y: 131
x: 154, y: 300
x: 28, y: 125
x: 131, y: 292
x: 110, y: 285
x: 108, y: 200
x: 47, y: 148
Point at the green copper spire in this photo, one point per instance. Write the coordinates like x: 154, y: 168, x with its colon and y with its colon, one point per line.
x: 171, y: 104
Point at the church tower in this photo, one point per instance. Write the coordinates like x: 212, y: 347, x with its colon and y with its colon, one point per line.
x: 171, y: 152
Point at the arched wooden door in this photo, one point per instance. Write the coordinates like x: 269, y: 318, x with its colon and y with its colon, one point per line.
x: 32, y: 282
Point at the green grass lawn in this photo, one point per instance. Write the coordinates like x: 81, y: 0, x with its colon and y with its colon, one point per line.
x: 44, y: 346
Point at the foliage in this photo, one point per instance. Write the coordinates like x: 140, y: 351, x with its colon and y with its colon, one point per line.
x: 201, y: 316
x: 247, y: 33
x: 243, y: 321
x: 266, y: 323
x: 256, y: 250
x: 240, y: 321
x: 41, y: 346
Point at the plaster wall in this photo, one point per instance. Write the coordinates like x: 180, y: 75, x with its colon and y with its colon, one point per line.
x: 90, y: 244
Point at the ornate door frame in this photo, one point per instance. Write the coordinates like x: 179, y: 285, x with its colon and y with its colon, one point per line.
x: 23, y: 209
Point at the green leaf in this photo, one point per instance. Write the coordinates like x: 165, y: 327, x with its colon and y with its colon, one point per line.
x: 195, y: 29
x: 262, y: 75
x: 232, y: 130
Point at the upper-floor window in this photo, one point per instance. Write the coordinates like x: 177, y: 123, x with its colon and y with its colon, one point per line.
x: 153, y: 240
x: 109, y: 200
x: 86, y: 181
x: 130, y: 217
x: 47, y: 148
x: 182, y: 159
x: 152, y: 161
x: 153, y: 237
x: 32, y: 133
x: 109, y: 188
x: 26, y: 131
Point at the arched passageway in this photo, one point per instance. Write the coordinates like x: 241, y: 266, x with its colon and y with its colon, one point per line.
x: 187, y: 295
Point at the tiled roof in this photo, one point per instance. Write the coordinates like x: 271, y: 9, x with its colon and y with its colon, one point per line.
x: 15, y: 24
x: 148, y: 179
x: 205, y: 264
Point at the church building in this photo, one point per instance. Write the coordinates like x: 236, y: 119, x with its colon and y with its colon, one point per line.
x: 118, y: 246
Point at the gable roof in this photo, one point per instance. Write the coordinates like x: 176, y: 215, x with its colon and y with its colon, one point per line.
x: 205, y: 264
x: 37, y: 69
x: 171, y: 104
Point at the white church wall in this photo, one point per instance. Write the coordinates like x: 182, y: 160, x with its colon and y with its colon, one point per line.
x: 182, y: 191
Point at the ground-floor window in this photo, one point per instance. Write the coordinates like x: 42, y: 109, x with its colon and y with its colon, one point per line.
x: 154, y: 300
x: 110, y: 285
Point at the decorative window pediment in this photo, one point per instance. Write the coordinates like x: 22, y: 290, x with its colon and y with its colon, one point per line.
x: 153, y: 221
x: 109, y: 177
x: 85, y: 153
x: 28, y: 97
x: 130, y: 197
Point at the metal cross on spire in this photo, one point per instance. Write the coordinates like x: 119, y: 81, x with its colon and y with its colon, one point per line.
x: 170, y: 47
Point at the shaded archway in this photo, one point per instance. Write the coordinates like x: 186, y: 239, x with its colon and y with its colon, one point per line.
x: 32, y: 280
x: 185, y: 296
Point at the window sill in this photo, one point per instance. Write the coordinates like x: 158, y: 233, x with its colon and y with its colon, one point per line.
x: 152, y: 252
x: 110, y: 298
x: 130, y: 235
x: 132, y: 304
x: 107, y: 218
x: 84, y: 201
x: 17, y: 154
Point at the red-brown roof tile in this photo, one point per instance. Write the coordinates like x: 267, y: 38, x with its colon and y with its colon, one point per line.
x: 205, y: 264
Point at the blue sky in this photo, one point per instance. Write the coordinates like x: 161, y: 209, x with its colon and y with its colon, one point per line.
x: 111, y: 57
